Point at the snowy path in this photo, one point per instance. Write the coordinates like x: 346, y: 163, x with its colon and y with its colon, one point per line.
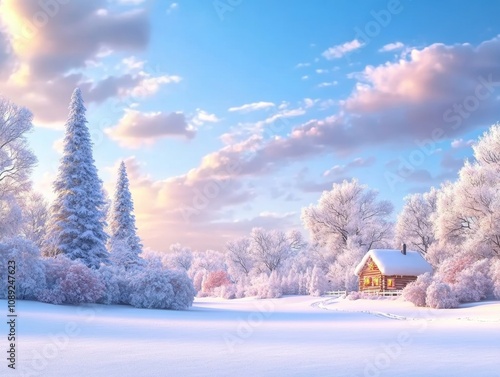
x: 476, y: 312
x: 292, y: 336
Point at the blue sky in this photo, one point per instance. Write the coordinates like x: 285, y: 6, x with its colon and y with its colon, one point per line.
x: 233, y: 114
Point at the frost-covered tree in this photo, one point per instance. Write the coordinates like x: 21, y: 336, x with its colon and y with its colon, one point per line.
x: 11, y: 217
x: 16, y: 159
x: 35, y: 214
x: 319, y: 283
x: 124, y: 239
x: 271, y: 249
x: 178, y: 258
x: 468, y: 211
x: 349, y: 210
x: 414, y: 225
x: 77, y: 219
x: 239, y: 257
x: 348, y: 221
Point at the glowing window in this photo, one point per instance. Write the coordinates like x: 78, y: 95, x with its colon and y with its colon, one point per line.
x: 376, y: 281
x: 367, y: 281
x: 390, y: 283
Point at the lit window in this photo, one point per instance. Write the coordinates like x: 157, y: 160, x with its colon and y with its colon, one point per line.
x: 367, y: 281
x: 376, y: 281
x: 390, y: 283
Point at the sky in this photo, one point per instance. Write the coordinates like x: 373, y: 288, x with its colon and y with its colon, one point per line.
x: 234, y: 114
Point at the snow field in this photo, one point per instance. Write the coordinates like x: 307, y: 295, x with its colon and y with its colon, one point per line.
x: 291, y: 336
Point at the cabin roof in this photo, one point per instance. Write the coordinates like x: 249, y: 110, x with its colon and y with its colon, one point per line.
x: 394, y: 262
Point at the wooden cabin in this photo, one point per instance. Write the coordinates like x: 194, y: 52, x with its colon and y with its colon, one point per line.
x: 384, y: 270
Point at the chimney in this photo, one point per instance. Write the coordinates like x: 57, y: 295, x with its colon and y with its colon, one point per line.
x: 403, y: 249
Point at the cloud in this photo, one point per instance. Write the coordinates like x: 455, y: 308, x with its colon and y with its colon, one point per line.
x: 327, y: 84
x: 252, y: 107
x: 303, y: 65
x: 460, y: 143
x: 46, y: 60
x: 190, y: 207
x: 136, y: 129
x: 358, y: 162
x: 201, y: 117
x: 399, y: 104
x: 392, y: 47
x: 338, y: 51
x: 448, y: 88
x: 172, y: 7
x: 131, y: 2
x: 71, y: 33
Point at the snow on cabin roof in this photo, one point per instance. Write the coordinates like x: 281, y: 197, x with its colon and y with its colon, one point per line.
x: 393, y: 262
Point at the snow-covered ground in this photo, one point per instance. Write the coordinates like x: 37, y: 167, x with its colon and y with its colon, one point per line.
x: 291, y: 336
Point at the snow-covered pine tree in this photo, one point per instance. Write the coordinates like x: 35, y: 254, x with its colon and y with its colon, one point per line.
x: 77, y: 219
x: 125, y: 245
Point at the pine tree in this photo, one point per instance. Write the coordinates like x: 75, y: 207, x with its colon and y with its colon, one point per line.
x: 77, y: 215
x: 125, y: 245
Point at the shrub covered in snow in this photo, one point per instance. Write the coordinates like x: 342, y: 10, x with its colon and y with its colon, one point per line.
x: 264, y: 286
x: 356, y: 295
x: 319, y: 283
x: 114, y: 280
x: 415, y: 292
x: 30, y: 271
x: 473, y: 283
x: 156, y: 288
x: 495, y: 276
x: 441, y: 296
x: 81, y: 284
x: 70, y: 282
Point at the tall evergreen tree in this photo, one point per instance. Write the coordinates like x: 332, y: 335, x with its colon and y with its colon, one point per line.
x: 77, y: 215
x: 125, y: 245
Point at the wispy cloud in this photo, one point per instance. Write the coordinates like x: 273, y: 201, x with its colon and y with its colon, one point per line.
x: 252, y: 107
x: 338, y: 51
x: 392, y: 47
x: 327, y: 84
x: 302, y: 65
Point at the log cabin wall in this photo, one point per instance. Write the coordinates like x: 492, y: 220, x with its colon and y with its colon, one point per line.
x: 385, y: 283
x: 399, y: 282
x: 371, y: 271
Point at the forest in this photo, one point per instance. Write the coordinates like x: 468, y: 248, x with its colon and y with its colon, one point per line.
x: 84, y: 247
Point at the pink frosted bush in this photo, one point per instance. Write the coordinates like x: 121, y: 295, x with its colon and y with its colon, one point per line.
x: 441, y: 296
x: 70, y: 282
x: 215, y: 279
x: 81, y: 284
x: 451, y: 267
x: 473, y: 283
x: 415, y: 292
